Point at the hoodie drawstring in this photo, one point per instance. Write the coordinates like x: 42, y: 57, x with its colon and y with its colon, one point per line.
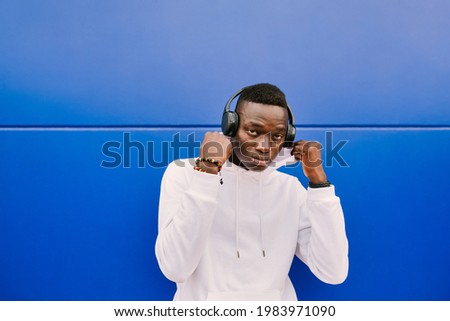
x: 261, y: 234
x: 236, y: 215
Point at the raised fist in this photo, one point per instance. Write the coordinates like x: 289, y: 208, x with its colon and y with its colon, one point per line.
x: 309, y: 153
x: 217, y: 146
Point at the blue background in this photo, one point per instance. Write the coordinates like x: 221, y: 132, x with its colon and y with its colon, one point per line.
x: 75, y: 75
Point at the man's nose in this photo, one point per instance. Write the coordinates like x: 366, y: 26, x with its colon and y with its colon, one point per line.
x: 263, y: 144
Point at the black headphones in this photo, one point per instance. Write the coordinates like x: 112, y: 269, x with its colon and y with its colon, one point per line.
x: 230, y: 121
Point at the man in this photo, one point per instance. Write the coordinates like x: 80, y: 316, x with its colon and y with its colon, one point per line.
x: 230, y: 224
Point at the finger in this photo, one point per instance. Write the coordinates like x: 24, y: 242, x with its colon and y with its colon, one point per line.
x: 298, y: 155
x: 298, y: 146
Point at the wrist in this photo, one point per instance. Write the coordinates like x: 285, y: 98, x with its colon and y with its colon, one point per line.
x: 316, y: 175
x: 206, y: 159
x: 317, y: 179
x: 208, y: 168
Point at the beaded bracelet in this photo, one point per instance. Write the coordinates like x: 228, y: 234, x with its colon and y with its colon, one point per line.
x: 199, y: 169
x: 209, y: 160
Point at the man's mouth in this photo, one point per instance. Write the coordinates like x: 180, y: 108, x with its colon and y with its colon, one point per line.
x: 260, y: 161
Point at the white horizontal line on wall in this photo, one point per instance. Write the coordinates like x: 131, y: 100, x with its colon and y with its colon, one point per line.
x: 217, y: 128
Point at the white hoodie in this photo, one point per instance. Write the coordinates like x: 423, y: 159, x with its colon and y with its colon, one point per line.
x: 237, y: 240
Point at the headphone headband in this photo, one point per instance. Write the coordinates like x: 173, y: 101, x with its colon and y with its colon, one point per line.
x: 237, y: 93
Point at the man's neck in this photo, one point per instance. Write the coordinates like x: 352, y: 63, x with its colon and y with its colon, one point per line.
x: 235, y: 160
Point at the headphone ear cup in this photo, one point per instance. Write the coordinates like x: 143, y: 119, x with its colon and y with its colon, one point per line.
x: 290, y: 136
x: 230, y: 123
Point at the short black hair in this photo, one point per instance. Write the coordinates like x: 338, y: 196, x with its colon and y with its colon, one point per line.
x: 264, y: 93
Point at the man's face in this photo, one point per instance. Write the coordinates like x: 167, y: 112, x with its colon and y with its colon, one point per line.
x: 261, y: 134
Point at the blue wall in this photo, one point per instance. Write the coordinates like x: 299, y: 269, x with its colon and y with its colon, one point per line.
x: 75, y: 75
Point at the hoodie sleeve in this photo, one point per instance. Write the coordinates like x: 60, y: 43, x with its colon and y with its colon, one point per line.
x: 186, y: 210
x: 322, y: 241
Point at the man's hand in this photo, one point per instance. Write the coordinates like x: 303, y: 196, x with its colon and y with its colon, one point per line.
x: 217, y: 146
x: 309, y: 153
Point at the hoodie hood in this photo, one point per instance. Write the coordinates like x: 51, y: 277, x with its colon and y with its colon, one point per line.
x: 283, y: 158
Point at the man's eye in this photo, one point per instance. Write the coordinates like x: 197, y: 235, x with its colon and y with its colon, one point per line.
x: 277, y: 137
x: 251, y: 131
